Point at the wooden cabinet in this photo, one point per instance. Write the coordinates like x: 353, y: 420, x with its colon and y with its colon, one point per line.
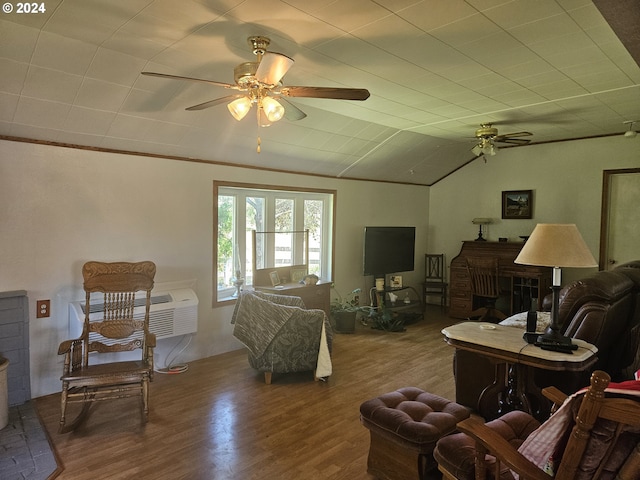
x: 313, y: 296
x: 520, y: 284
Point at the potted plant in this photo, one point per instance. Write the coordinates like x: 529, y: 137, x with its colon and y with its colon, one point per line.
x: 386, y: 320
x: 344, y: 311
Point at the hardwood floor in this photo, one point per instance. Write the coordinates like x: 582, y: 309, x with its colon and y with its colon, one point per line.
x: 220, y: 421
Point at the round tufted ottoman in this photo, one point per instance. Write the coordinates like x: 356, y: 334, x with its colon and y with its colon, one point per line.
x: 404, y: 426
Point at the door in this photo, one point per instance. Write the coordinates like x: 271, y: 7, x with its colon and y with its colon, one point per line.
x: 620, y: 224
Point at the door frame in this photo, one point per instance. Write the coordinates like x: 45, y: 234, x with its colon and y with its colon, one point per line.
x: 604, y: 214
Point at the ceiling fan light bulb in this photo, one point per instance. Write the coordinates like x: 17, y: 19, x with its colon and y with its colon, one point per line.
x: 630, y: 133
x: 272, y: 109
x: 239, y: 107
x: 477, y: 150
x: 489, y: 149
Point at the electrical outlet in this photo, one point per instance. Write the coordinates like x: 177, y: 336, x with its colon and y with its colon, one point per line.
x: 43, y: 308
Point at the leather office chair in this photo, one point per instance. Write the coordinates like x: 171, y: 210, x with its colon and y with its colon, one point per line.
x: 118, y: 329
x: 593, y: 435
x: 434, y: 278
x: 483, y: 274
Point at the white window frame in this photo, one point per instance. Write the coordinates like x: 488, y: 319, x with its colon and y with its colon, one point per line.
x: 241, y: 191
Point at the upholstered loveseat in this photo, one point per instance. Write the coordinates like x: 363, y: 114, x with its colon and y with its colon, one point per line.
x: 602, y: 309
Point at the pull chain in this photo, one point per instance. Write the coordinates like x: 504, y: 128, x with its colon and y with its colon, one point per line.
x: 258, y: 127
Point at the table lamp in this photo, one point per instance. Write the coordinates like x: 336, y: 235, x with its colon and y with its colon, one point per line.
x: 555, y: 245
x: 481, y: 222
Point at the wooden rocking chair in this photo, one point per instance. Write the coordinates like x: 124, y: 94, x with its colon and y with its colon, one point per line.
x: 110, y: 327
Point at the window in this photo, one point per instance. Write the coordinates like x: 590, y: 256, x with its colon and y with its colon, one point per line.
x: 243, y: 208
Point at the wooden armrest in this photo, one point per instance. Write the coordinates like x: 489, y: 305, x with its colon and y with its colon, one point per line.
x: 500, y: 448
x: 67, y: 345
x: 555, y: 395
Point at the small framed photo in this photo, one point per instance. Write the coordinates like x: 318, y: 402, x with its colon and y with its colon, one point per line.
x: 298, y: 274
x: 275, y: 278
x: 517, y: 204
x: 396, y: 281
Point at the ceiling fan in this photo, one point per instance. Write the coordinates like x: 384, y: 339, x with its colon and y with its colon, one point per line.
x: 487, y: 136
x: 259, y: 83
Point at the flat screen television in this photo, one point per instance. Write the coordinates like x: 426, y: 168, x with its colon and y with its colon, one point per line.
x: 389, y: 250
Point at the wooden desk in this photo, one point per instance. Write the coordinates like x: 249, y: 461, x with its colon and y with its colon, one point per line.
x: 313, y: 296
x: 522, y: 284
x: 513, y: 388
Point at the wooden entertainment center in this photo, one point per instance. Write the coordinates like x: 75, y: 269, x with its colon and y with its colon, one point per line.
x: 521, y: 284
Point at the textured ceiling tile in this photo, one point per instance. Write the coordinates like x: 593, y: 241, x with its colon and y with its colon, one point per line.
x: 13, y: 75
x: 17, y: 42
x: 88, y: 121
x: 41, y: 113
x: 51, y: 85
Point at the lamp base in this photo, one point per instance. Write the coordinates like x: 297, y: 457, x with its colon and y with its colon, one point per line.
x: 480, y: 238
x: 552, y: 338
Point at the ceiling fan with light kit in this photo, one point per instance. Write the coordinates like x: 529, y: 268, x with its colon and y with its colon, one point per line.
x: 487, y: 136
x: 259, y: 83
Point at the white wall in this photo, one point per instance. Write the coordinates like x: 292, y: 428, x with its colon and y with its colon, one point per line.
x: 566, y: 179
x: 60, y: 207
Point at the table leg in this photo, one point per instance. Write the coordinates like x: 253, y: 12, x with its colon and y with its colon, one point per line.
x: 510, y: 390
x: 490, y: 404
x: 539, y: 405
x: 516, y: 389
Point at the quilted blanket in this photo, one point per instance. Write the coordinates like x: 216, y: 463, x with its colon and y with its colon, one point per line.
x: 258, y: 318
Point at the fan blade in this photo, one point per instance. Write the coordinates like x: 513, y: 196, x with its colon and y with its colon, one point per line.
x: 273, y: 67
x: 213, y: 103
x: 517, y: 134
x: 514, y: 141
x: 326, y: 92
x: 291, y: 112
x: 191, y: 79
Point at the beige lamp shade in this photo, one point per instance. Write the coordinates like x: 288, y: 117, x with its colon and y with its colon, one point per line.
x: 556, y: 245
x: 481, y: 221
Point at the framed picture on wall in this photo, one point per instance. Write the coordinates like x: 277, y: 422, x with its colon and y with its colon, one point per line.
x: 517, y: 204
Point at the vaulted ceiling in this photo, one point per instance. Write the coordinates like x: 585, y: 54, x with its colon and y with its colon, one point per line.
x: 436, y: 70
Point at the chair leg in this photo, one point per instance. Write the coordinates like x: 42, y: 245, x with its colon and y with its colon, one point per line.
x: 145, y: 400
x: 63, y: 407
x: 267, y: 378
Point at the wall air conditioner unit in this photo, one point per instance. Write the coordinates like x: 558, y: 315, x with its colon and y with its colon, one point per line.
x: 172, y: 313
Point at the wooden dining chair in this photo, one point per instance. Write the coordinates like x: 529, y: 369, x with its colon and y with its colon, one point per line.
x: 435, y: 283
x: 118, y: 324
